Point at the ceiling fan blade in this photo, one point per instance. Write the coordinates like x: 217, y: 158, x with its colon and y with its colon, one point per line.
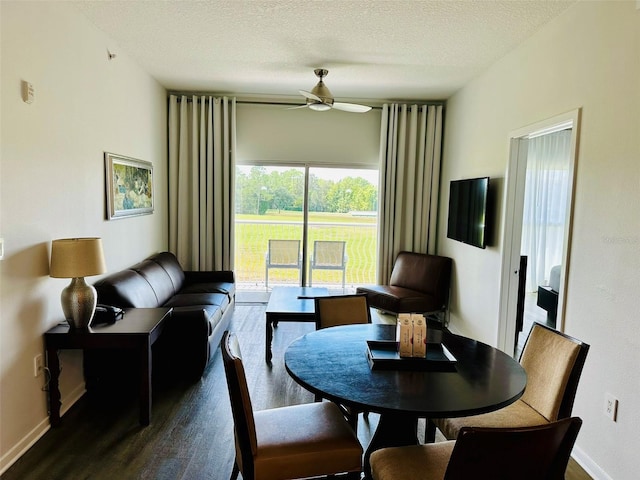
x: 351, y: 107
x: 310, y: 96
x: 296, y: 107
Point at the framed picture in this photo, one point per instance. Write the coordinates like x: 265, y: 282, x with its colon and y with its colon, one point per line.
x: 129, y: 186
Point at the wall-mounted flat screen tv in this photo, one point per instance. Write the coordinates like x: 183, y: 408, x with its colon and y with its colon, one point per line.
x: 468, y: 211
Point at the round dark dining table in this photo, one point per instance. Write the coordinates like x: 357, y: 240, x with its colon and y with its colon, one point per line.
x: 333, y: 363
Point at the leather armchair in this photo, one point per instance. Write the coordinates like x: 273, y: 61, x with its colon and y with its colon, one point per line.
x: 419, y: 283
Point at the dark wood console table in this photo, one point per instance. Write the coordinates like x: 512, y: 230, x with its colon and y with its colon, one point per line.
x: 137, y: 330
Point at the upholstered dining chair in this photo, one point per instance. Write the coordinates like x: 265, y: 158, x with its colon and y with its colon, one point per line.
x: 298, y: 441
x: 337, y: 310
x: 527, y: 453
x: 553, y: 361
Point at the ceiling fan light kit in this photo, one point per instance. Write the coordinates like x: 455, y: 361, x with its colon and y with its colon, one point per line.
x: 318, y: 107
x: 320, y: 98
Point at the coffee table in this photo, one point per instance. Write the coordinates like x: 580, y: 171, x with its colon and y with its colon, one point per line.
x: 289, y: 304
x: 137, y: 330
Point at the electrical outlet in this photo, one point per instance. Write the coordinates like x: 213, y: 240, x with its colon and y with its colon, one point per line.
x: 610, y: 406
x: 38, y: 365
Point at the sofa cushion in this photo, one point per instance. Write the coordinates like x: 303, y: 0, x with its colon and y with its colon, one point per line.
x: 227, y: 288
x: 220, y: 300
x: 170, y: 264
x: 213, y: 281
x: 126, y: 288
x: 158, y: 278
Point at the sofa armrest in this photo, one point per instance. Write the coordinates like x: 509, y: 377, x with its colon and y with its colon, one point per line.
x: 191, y: 277
x: 183, y: 346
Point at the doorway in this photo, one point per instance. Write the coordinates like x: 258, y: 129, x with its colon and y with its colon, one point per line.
x: 538, y: 212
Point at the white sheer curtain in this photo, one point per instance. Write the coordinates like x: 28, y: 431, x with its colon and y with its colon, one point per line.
x: 410, y: 148
x: 545, y: 203
x: 201, y: 181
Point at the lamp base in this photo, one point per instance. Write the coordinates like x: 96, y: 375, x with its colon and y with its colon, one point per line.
x: 79, y: 303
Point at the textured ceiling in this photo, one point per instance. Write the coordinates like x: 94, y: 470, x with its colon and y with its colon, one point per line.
x: 375, y: 49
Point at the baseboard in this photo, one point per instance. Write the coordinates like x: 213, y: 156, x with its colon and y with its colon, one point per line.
x: 589, y: 466
x: 14, y: 453
x: 25, y: 444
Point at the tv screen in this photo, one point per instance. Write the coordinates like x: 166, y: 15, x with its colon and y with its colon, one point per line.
x: 468, y: 211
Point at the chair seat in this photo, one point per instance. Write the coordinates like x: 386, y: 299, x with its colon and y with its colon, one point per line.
x: 518, y: 414
x: 304, y: 441
x: 391, y: 298
x: 416, y: 461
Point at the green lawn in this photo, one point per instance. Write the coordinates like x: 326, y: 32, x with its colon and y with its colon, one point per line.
x: 254, y: 231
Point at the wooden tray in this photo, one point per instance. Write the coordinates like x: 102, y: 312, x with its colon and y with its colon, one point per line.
x: 383, y: 355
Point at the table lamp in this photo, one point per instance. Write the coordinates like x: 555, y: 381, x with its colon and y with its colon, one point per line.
x: 77, y: 258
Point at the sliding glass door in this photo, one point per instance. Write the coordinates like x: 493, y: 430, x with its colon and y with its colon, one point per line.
x: 330, y: 214
x: 342, y: 227
x: 269, y: 208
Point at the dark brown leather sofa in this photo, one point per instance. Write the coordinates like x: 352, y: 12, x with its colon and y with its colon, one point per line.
x: 202, y: 305
x: 419, y: 283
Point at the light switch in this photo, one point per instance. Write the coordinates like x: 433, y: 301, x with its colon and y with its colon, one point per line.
x: 28, y: 92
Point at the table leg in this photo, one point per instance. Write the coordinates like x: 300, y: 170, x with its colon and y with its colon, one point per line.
x: 268, y: 340
x: 53, y: 364
x: 145, y: 383
x: 394, y: 430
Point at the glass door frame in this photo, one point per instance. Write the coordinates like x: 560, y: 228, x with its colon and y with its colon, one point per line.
x: 307, y: 167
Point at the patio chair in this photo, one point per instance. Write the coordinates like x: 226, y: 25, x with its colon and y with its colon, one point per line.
x: 282, y: 254
x: 328, y: 255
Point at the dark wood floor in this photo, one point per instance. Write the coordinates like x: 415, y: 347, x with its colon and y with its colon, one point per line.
x: 191, y: 431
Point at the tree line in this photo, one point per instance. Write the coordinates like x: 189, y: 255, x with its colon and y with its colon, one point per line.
x: 258, y: 191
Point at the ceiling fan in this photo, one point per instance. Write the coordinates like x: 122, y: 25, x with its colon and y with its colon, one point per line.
x: 321, y: 99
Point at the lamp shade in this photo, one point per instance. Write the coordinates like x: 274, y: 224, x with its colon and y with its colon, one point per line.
x: 76, y: 257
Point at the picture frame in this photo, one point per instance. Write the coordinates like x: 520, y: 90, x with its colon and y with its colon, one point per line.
x: 128, y: 185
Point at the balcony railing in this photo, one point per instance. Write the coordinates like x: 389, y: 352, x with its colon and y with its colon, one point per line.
x: 252, y: 236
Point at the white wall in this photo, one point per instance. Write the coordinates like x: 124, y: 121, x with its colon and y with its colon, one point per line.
x: 590, y: 58
x: 52, y: 186
x: 277, y: 134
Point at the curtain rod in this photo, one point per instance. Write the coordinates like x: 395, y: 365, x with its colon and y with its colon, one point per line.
x: 293, y: 101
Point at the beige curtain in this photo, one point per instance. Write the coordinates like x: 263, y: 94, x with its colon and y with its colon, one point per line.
x: 201, y: 181
x: 410, y: 147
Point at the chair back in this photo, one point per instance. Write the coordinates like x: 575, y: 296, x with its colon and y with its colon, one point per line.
x: 553, y: 362
x: 284, y: 253
x: 328, y: 253
x: 241, y: 408
x: 424, y: 273
x: 527, y: 453
x: 342, y: 310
